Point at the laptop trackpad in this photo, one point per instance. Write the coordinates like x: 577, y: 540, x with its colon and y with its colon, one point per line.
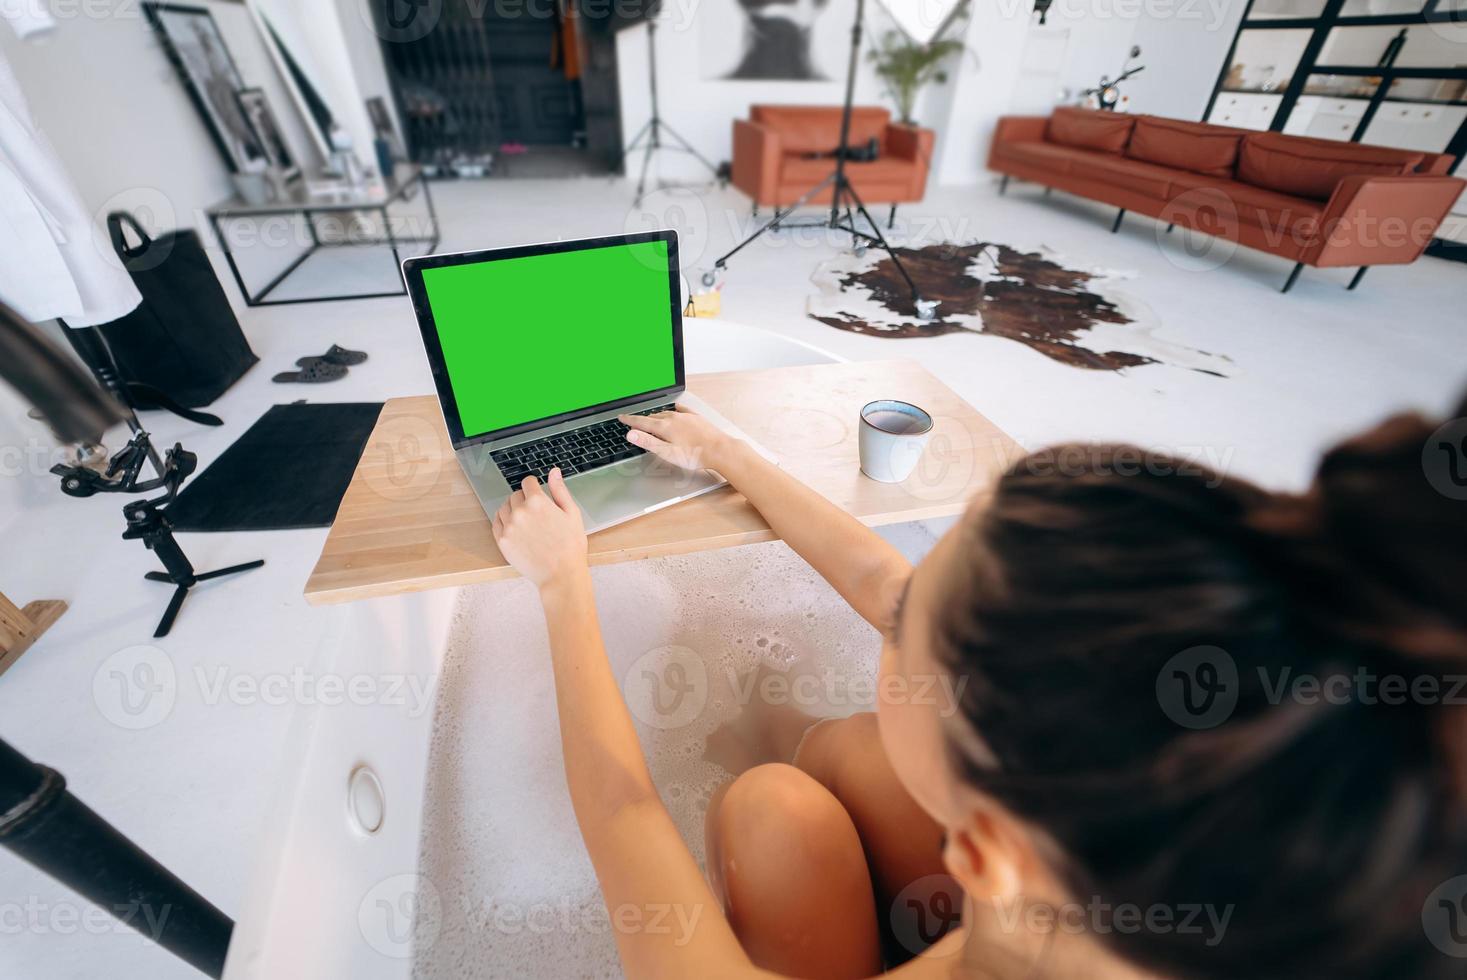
x: 625, y: 490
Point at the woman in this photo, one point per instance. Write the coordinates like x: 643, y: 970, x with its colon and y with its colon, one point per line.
x: 1175, y: 754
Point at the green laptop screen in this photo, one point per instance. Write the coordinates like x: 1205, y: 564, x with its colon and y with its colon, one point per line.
x: 532, y: 337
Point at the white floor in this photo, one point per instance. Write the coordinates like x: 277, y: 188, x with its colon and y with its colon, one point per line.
x: 193, y: 787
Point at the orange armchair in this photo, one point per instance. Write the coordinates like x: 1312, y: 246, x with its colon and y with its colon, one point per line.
x: 781, y: 151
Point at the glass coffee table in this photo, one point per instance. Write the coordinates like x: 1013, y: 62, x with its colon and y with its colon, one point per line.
x: 343, y: 236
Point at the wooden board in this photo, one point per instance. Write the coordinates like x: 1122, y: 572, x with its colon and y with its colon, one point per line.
x: 20, y: 628
x: 410, y: 521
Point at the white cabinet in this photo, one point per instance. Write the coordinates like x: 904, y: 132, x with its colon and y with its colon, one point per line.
x: 1454, y: 228
x: 1244, y: 110
x: 1325, y: 117
x: 1415, y: 126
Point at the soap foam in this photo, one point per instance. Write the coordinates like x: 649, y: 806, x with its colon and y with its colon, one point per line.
x: 500, y: 842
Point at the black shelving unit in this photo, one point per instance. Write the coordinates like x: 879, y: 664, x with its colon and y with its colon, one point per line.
x: 1387, y: 71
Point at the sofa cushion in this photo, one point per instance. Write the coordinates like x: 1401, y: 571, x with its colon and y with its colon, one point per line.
x: 1090, y: 129
x: 1048, y: 156
x: 1197, y: 147
x: 1312, y: 168
x: 808, y: 171
x: 1230, y: 200
x: 1133, y: 175
x: 816, y: 128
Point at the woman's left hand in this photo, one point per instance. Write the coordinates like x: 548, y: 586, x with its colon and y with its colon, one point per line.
x: 542, y: 536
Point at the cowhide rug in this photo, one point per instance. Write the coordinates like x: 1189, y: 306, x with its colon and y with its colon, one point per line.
x: 995, y: 289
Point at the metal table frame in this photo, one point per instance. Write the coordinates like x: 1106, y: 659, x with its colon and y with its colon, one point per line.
x: 398, y: 191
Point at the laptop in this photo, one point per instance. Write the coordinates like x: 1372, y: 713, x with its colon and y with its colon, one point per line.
x: 536, y: 350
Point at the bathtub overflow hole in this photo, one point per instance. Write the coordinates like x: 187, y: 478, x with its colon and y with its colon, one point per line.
x: 365, y: 800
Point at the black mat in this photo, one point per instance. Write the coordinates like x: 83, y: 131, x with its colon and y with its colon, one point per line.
x: 289, y: 470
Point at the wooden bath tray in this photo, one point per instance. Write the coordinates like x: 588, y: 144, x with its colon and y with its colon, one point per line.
x: 409, y: 520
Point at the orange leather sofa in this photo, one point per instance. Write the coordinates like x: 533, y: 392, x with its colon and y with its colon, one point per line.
x: 781, y: 151
x: 1318, y: 202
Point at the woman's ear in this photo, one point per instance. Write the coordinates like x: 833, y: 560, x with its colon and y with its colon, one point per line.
x: 989, y: 854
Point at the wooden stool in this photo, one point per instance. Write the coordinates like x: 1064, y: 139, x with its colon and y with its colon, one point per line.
x: 19, y: 628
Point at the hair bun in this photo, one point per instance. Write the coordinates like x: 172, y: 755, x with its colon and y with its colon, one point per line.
x: 1380, y: 547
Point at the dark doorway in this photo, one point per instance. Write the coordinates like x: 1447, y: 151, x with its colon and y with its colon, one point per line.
x: 536, y: 77
x: 525, y: 84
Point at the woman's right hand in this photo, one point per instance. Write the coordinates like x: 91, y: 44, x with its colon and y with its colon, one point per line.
x: 683, y: 438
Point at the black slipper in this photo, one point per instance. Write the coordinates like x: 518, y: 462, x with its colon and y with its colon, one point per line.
x: 311, y: 374
x: 336, y: 355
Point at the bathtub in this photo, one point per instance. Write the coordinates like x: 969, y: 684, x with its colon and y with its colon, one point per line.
x: 472, y: 865
x: 423, y: 827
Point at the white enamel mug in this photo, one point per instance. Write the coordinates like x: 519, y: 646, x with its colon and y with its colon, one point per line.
x: 893, y: 435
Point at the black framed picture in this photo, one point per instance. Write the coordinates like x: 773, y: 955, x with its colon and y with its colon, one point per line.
x: 381, y: 120
x: 255, y: 107
x: 383, y: 129
x: 191, y: 38
x: 772, y: 40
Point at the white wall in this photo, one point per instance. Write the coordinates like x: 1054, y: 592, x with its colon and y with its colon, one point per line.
x: 982, y: 90
x: 1183, y: 56
x: 333, y: 46
x: 364, y: 49
x: 1099, y: 40
x: 103, y: 91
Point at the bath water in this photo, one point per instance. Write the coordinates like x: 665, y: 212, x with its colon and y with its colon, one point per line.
x: 695, y: 640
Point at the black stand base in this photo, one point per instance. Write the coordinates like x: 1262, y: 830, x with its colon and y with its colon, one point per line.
x: 653, y: 129
x: 1359, y: 274
x: 652, y: 132
x: 145, y: 522
x: 181, y: 592
x: 845, y: 206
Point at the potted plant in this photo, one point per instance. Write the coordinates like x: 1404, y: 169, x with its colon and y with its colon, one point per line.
x: 905, y: 66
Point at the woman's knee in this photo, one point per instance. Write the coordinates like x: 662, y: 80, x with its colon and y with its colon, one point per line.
x: 773, y: 811
x: 788, y: 864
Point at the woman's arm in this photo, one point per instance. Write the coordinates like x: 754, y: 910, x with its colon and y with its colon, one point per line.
x: 857, y: 562
x: 665, y: 919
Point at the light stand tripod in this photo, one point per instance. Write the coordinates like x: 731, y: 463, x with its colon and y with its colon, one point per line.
x: 649, y: 137
x: 843, y: 196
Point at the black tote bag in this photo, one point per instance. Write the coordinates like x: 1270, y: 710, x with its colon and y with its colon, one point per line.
x: 183, y: 339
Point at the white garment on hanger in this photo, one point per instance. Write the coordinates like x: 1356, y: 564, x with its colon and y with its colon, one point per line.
x: 28, y: 17
x: 55, y: 261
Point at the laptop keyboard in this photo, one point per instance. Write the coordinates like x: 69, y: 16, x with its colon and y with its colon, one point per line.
x: 577, y: 451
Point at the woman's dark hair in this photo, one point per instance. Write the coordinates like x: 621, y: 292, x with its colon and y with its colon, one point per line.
x: 1204, y: 693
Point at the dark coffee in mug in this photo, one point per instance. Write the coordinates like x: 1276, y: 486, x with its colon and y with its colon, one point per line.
x: 897, y: 423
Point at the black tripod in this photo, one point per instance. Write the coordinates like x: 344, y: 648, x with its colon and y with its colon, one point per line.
x: 649, y: 137
x: 843, y: 196
x: 146, y: 521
